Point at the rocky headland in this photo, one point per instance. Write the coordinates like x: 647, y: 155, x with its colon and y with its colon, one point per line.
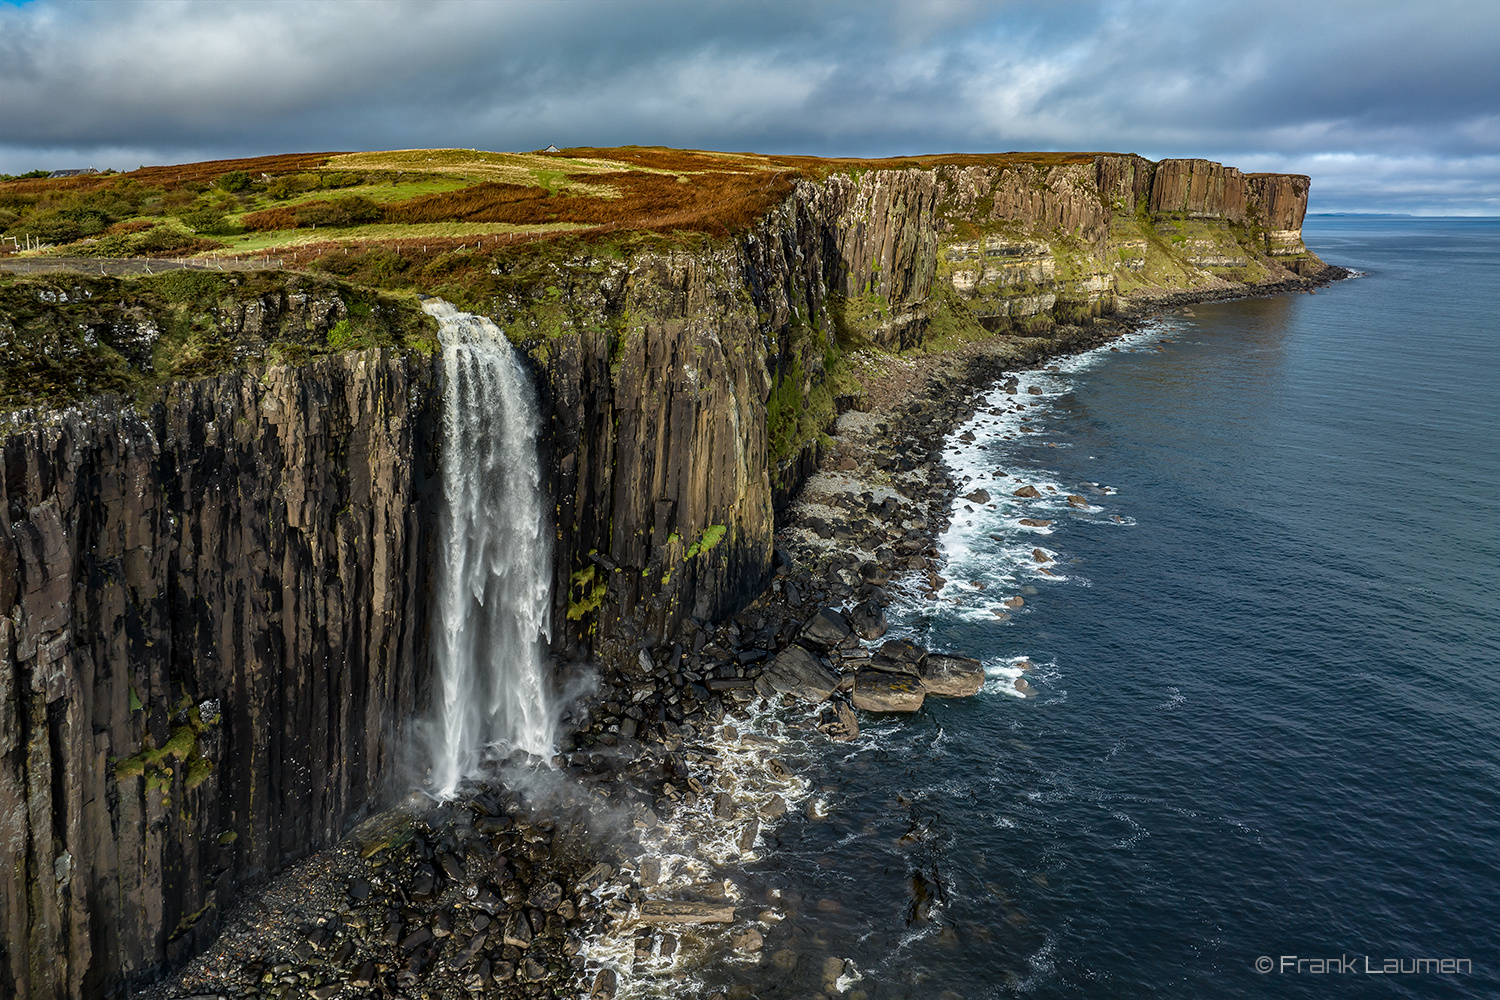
x: 217, y: 637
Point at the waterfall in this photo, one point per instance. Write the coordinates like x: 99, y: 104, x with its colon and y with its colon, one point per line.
x: 494, y: 569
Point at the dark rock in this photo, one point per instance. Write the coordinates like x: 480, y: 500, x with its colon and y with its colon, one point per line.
x: 605, y: 985
x: 365, y: 977
x: 867, y: 619
x: 797, y: 672
x: 416, y: 939
x: 518, y: 931
x: 723, y: 806
x: 978, y: 496
x: 827, y: 628
x: 903, y: 651
x: 951, y: 676
x: 884, y: 664
x: 877, y: 691
x: 452, y: 867
x: 546, y: 897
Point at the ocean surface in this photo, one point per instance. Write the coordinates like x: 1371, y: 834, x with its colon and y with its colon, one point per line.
x: 1265, y: 657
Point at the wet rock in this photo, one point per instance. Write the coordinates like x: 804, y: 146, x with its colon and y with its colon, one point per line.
x: 847, y: 721
x: 797, y: 672
x: 878, y: 691
x: 774, y: 808
x: 532, y: 970
x: 1035, y: 522
x: 546, y: 897
x: 517, y: 931
x: 1029, y: 492
x: 747, y: 836
x: 875, y: 574
x: 442, y: 925
x: 886, y: 665
x: 902, y: 651
x: 1025, y: 688
x: 365, y: 977
x: 416, y: 939
x: 747, y: 939
x: 723, y: 806
x: 504, y: 971
x: 650, y: 872
x: 359, y: 890
x: 826, y: 629
x: 1013, y: 602
x: 1077, y: 501
x: 464, y: 957
x: 452, y: 867
x: 488, y: 900
x: 978, y: 496
x: 952, y: 676
x: 605, y: 985
x: 665, y: 911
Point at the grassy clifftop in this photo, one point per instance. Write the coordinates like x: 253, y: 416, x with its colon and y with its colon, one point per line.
x: 65, y: 337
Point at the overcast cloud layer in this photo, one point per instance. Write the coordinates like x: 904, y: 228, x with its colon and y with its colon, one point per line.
x: 1389, y: 106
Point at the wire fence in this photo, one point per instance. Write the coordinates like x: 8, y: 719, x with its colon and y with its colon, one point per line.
x: 118, y: 266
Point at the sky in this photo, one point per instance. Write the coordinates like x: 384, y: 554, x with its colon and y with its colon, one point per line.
x: 1389, y: 106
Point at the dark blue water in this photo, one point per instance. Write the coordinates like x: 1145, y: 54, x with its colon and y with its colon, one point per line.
x: 1267, y: 669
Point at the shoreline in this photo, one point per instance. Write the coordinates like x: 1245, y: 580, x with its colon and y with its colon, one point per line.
x: 685, y: 770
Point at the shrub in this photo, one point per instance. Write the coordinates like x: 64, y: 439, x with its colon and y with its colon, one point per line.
x: 353, y: 211
x: 206, y: 219
x: 235, y: 180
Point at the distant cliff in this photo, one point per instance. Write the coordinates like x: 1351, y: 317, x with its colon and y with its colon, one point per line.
x: 213, y: 582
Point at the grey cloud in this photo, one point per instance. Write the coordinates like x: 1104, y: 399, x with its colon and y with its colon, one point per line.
x: 1278, y: 83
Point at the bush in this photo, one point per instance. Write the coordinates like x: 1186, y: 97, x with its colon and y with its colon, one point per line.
x: 354, y: 211
x: 206, y: 219
x: 234, y: 181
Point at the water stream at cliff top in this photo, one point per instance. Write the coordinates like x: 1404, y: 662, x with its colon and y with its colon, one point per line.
x: 494, y: 557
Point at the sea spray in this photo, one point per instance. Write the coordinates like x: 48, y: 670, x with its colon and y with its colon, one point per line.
x: 493, y: 591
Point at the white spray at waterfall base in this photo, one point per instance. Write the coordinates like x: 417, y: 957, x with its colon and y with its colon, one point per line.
x: 491, y: 618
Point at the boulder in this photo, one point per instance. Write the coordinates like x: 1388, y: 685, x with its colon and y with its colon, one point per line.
x: 799, y: 673
x: 978, y: 496
x: 1040, y: 556
x: 1035, y: 522
x: 747, y: 939
x: 867, y: 619
x: 826, y: 629
x: 877, y: 691
x: 1077, y: 501
x: 902, y: 650
x: 951, y: 676
x: 885, y: 665
x: 672, y: 911
x: 1030, y: 492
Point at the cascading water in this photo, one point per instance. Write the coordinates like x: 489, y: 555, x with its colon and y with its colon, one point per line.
x: 495, y: 559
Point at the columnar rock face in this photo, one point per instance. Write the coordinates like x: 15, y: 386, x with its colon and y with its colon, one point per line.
x: 214, y: 615
x: 215, y: 633
x: 671, y: 377
x: 658, y: 447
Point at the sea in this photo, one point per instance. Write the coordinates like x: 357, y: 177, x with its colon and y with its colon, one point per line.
x: 1255, y: 746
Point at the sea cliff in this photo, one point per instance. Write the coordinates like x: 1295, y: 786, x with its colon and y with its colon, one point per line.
x: 215, y: 579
